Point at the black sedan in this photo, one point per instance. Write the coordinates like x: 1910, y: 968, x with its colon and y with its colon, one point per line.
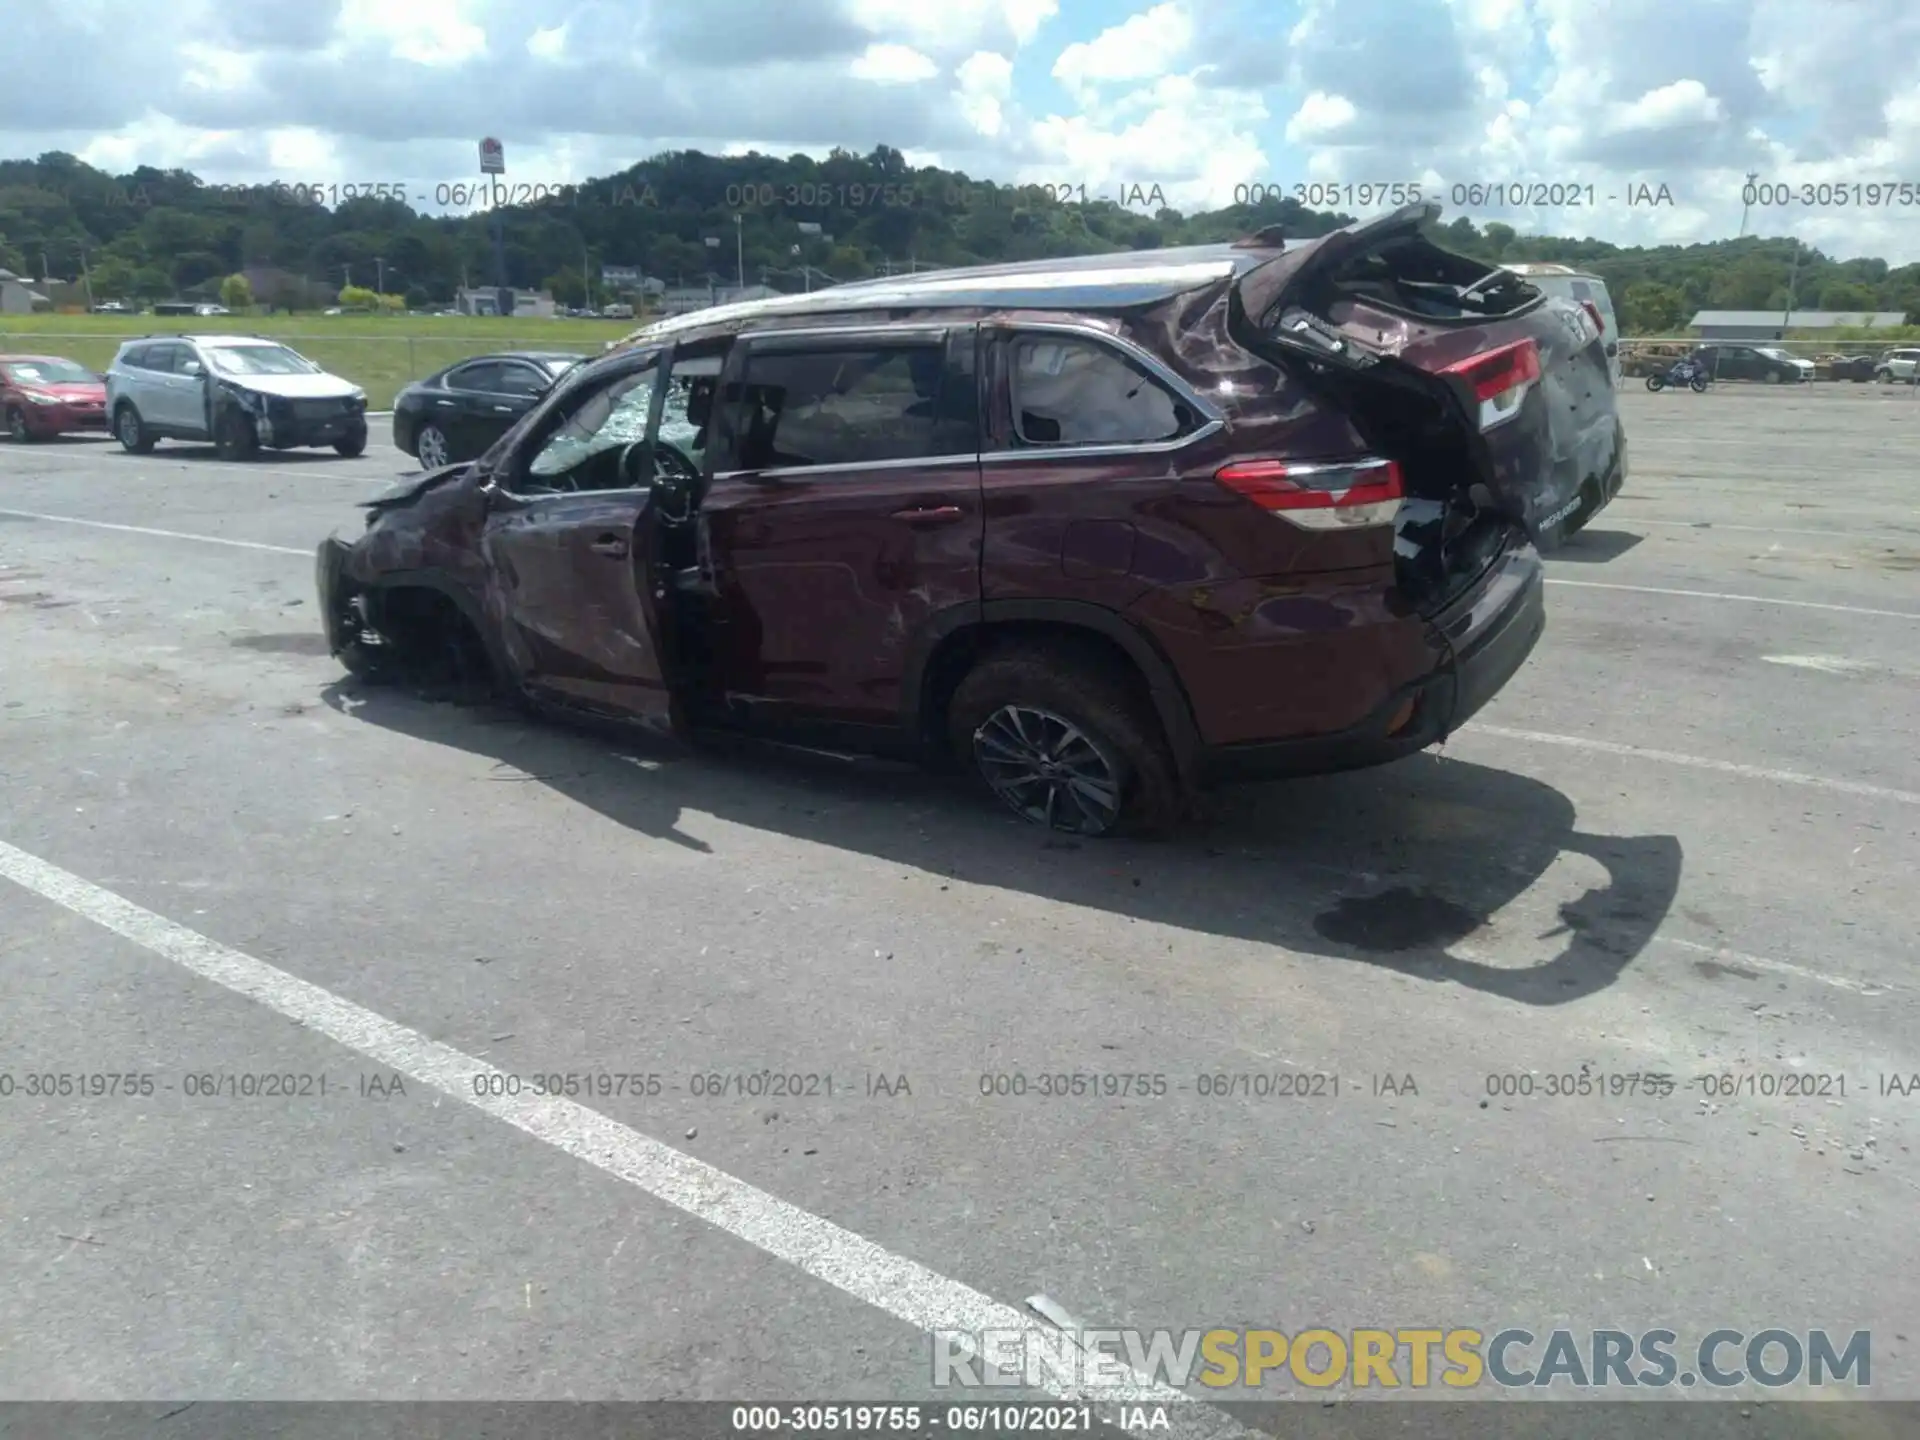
x: 459, y: 413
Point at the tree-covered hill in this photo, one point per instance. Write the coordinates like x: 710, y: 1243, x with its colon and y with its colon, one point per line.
x: 156, y: 234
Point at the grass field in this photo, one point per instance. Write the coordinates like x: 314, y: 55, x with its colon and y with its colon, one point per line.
x: 380, y: 354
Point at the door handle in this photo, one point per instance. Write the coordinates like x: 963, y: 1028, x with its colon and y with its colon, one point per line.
x: 504, y: 409
x: 445, y: 404
x: 610, y: 545
x: 929, y: 514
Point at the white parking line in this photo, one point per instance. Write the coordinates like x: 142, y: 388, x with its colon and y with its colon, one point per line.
x: 892, y: 1283
x: 1749, y: 599
x: 149, y: 530
x: 1696, y: 762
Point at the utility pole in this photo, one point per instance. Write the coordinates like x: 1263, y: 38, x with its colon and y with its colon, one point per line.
x: 380, y: 274
x: 586, y: 275
x: 1793, y: 277
x: 1746, y: 202
x: 739, y: 252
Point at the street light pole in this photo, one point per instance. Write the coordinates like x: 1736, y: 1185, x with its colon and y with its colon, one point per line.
x: 1746, y: 198
x: 739, y: 253
x: 379, y: 275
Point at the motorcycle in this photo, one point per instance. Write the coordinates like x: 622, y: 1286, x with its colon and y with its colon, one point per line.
x: 1681, y: 372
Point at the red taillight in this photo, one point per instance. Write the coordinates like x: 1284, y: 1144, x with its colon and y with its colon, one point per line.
x: 1599, y: 322
x: 1320, y: 495
x: 1500, y: 379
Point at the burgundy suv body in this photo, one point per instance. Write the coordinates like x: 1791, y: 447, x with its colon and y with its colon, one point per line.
x: 1104, y: 529
x: 44, y: 395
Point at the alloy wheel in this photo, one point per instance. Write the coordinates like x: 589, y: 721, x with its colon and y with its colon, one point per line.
x: 1049, y: 770
x: 432, y: 446
x: 17, y: 426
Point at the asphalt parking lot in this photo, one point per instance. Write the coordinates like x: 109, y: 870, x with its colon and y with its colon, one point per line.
x: 1682, y: 841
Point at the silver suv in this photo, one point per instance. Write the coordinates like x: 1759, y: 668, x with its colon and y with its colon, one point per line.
x: 1898, y: 365
x: 239, y: 391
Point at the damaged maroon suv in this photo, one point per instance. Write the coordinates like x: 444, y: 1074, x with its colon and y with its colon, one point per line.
x: 1103, y: 530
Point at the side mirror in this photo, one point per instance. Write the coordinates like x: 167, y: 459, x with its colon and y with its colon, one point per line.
x: 193, y: 367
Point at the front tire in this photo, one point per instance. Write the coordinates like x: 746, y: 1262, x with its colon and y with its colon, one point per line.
x: 431, y: 449
x: 234, y: 438
x: 351, y: 446
x: 17, y: 430
x: 1698, y: 384
x: 1656, y: 383
x: 131, y: 431
x: 1064, y: 742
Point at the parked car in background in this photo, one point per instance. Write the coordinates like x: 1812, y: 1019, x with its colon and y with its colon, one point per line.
x: 1766, y: 363
x: 239, y: 391
x: 44, y: 395
x: 458, y: 413
x: 1583, y: 288
x: 1857, y: 368
x: 1102, y: 529
x: 1898, y: 365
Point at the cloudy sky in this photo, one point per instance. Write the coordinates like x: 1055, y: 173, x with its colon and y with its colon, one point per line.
x: 1197, y: 97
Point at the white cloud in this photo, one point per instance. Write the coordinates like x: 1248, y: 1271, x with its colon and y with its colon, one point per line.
x: 425, y: 32
x: 1138, y: 48
x: 549, y: 44
x: 1685, y: 102
x: 893, y: 65
x: 945, y: 26
x: 1320, y: 118
x: 1195, y: 144
x: 985, y: 80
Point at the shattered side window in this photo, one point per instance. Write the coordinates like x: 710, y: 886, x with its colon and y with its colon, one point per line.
x: 1078, y: 392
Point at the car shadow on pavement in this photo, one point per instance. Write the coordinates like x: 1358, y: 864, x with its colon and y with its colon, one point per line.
x: 1592, y: 547
x: 1413, y: 867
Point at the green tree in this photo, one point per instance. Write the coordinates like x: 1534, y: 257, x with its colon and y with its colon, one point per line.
x: 236, y: 293
x: 1846, y: 295
x: 358, y: 297
x: 1650, y: 308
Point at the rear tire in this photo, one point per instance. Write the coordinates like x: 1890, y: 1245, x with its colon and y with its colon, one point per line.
x: 1656, y: 383
x: 234, y: 438
x: 351, y: 446
x: 17, y: 430
x: 131, y: 431
x: 1064, y: 742
x: 431, y: 449
x: 1698, y: 384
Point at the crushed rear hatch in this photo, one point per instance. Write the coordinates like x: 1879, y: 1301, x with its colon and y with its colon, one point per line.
x: 1495, y: 401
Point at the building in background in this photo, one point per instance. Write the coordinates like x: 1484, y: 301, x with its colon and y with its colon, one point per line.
x: 1762, y: 325
x: 485, y: 300
x: 17, y: 297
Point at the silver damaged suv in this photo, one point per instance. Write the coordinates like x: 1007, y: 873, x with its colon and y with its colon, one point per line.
x: 239, y: 391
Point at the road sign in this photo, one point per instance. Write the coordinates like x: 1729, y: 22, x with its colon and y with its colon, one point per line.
x: 493, y: 157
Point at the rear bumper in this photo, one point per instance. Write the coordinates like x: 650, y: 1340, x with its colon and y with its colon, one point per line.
x: 1478, y: 646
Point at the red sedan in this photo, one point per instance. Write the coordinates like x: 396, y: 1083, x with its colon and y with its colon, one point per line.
x: 43, y: 395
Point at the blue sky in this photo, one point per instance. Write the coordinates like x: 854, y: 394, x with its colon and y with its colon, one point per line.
x: 1200, y: 97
